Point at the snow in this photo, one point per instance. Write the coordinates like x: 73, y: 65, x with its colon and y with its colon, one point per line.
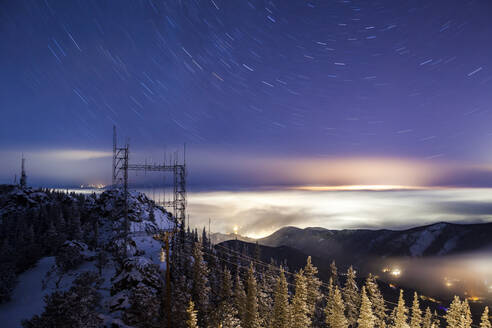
x: 150, y: 247
x: 27, y: 299
x: 45, y: 277
x: 448, y: 246
x: 425, y: 239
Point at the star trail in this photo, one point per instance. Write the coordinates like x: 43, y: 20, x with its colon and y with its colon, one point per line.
x: 235, y: 80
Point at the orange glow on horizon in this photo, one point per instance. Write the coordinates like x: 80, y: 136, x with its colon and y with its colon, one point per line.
x: 361, y: 187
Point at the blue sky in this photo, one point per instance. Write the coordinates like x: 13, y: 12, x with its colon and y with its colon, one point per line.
x: 250, y: 86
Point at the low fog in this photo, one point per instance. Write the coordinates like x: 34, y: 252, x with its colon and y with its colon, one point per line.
x: 468, y: 275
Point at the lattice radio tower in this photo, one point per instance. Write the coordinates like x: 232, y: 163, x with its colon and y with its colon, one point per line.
x: 120, y: 177
x: 120, y: 173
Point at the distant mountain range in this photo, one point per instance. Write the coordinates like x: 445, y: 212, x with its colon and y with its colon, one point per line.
x: 355, y: 247
x: 372, y: 251
x: 366, y: 249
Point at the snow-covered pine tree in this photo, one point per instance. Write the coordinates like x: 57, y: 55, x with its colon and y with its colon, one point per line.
x: 299, y: 308
x: 436, y: 322
x: 265, y: 301
x: 352, y: 297
x: 205, y: 241
x: 251, y: 317
x: 427, y: 320
x: 75, y: 230
x: 281, y: 307
x: 180, y: 298
x: 214, y: 276
x: 144, y: 308
x: 257, y: 255
x: 400, y: 313
x: 76, y: 307
x: 366, y: 317
x: 200, y: 288
x: 377, y: 301
x: 485, y: 322
x: 240, y: 298
x: 191, y: 320
x: 312, y: 284
x: 335, y: 310
x: 8, y: 280
x: 334, y: 274
x: 180, y: 278
x: 466, y: 321
x: 226, y: 312
x: 416, y: 318
x: 453, y: 316
x: 331, y: 289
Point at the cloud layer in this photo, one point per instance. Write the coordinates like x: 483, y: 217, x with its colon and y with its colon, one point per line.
x: 259, y: 213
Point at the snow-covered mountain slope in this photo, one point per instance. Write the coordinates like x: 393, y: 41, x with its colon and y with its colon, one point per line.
x: 355, y: 246
x: 124, y: 264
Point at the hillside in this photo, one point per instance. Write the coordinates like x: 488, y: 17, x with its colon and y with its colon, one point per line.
x: 355, y: 247
x: 84, y: 256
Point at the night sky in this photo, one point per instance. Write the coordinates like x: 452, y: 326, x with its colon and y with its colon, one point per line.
x: 284, y: 92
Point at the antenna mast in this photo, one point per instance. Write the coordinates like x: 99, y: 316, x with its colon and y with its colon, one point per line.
x: 23, y: 179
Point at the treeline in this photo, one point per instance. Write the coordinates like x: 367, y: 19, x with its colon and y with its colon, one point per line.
x: 219, y: 287
x: 37, y: 223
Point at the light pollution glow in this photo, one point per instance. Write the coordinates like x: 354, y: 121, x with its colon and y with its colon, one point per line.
x: 467, y: 275
x: 211, y: 168
x: 330, y: 192
x: 359, y: 187
x: 260, y: 213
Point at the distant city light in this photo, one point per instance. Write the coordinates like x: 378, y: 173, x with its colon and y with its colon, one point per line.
x: 93, y: 186
x: 396, y: 272
x: 236, y: 229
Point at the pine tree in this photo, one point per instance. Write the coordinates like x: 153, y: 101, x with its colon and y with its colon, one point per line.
x: 416, y: 319
x: 351, y: 297
x: 213, y: 276
x: 485, y: 322
x: 400, y: 313
x: 76, y: 307
x: 335, y: 310
x: 377, y: 301
x: 144, y: 308
x: 313, y: 285
x: 200, y: 289
x: 191, y: 321
x: 205, y: 241
x: 226, y: 312
x: 436, y: 322
x: 300, y: 310
x: 180, y: 297
x: 281, y: 312
x: 75, y: 226
x: 266, y: 278
x: 466, y: 321
x: 427, y: 321
x: 257, y: 255
x: 269, y: 278
x: 251, y: 317
x: 334, y: 274
x: 8, y: 280
x: 331, y: 290
x: 240, y: 298
x: 453, y: 316
x: 366, y: 318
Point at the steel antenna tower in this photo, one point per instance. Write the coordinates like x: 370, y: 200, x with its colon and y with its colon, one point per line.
x: 121, y: 167
x: 120, y: 173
